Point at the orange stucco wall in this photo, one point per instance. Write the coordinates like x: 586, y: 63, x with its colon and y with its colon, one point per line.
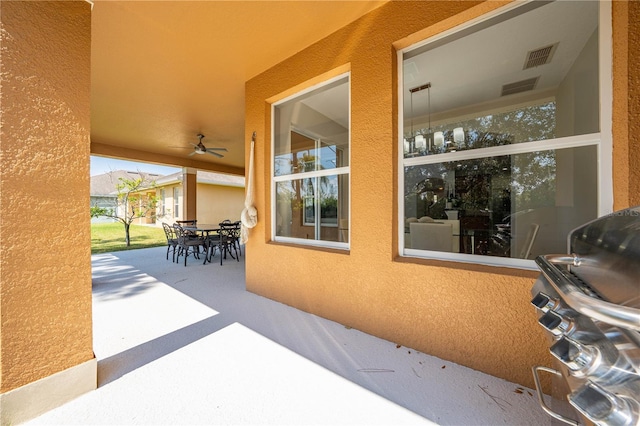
x: 45, y: 265
x: 629, y: 62
x: 477, y: 316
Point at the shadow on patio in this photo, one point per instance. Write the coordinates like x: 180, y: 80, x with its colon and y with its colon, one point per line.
x: 188, y: 345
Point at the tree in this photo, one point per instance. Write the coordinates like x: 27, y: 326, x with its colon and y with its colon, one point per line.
x: 130, y: 203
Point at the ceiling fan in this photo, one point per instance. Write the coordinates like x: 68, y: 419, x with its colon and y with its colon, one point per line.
x: 199, y: 148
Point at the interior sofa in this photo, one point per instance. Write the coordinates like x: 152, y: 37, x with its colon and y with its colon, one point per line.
x: 429, y: 234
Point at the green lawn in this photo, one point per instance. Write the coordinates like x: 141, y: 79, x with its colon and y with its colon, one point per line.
x: 106, y: 237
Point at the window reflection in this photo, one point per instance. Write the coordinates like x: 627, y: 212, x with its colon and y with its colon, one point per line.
x: 308, y: 154
x: 299, y: 202
x: 311, y: 165
x: 531, y: 123
x: 499, y: 142
x: 493, y: 205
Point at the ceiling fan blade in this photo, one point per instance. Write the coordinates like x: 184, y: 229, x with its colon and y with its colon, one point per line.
x: 217, y: 149
x: 194, y: 152
x: 215, y: 153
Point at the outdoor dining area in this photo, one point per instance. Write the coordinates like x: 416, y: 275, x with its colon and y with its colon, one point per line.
x: 202, y: 241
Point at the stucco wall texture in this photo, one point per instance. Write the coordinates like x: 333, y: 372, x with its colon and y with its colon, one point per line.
x: 217, y: 203
x: 476, y: 316
x: 45, y: 264
x: 631, y: 62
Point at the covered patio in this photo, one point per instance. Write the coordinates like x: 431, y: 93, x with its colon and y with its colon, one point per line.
x: 180, y: 345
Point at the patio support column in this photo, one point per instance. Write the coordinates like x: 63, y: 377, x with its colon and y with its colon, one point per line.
x: 46, y: 342
x: 189, y: 197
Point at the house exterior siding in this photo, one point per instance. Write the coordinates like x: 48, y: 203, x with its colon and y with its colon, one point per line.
x: 217, y: 203
x: 104, y: 201
x: 436, y: 307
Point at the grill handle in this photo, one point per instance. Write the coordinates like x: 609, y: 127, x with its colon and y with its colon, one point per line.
x: 544, y: 406
x: 568, y: 288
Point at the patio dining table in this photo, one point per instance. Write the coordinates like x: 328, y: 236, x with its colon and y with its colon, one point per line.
x: 209, y: 232
x: 203, y: 229
x: 223, y: 236
x: 214, y: 238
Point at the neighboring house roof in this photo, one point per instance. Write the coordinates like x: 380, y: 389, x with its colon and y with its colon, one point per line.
x: 220, y: 179
x: 209, y: 178
x: 105, y: 184
x: 169, y: 179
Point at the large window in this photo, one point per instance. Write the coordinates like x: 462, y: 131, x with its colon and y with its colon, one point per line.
x: 501, y: 140
x: 311, y: 166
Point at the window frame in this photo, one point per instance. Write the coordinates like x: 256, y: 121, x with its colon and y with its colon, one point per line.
x: 603, y: 140
x: 338, y: 171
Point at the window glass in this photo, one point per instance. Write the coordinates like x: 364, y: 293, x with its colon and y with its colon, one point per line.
x: 312, y: 130
x: 163, y: 201
x: 176, y: 202
x: 505, y: 206
x: 489, y: 88
x: 307, y: 206
x: 524, y: 124
x: 311, y: 166
x: 500, y: 135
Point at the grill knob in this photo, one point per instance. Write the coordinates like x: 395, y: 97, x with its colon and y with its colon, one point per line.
x: 603, y: 407
x: 580, y: 359
x: 544, y: 302
x: 556, y: 324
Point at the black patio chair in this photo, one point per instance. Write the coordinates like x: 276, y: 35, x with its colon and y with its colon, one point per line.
x: 188, y: 244
x: 233, y: 233
x: 229, y: 235
x: 237, y: 231
x: 172, y: 240
x: 212, y: 244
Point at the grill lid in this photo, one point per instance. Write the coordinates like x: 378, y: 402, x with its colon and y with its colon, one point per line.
x: 609, y: 253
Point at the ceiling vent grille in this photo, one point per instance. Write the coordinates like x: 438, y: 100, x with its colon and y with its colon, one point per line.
x: 519, y: 86
x: 538, y: 57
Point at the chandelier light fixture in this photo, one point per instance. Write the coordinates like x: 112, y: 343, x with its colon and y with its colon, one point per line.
x: 420, y: 143
x: 417, y: 144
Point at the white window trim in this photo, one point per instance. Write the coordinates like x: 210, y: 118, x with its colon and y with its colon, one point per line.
x: 497, y: 151
x: 603, y: 140
x: 318, y: 173
x: 605, y: 152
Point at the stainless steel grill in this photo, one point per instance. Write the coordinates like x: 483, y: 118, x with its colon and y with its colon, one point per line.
x: 589, y: 304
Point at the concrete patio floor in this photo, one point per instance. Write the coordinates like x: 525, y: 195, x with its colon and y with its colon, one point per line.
x: 188, y: 345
